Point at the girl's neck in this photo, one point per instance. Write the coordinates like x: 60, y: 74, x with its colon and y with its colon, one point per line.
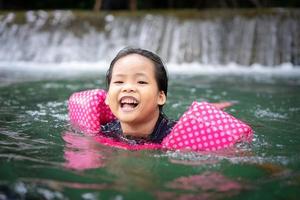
x: 140, y: 129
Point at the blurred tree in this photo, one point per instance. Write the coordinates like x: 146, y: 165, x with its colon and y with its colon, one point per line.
x: 114, y: 4
x: 133, y: 5
x: 97, y: 5
x: 256, y: 3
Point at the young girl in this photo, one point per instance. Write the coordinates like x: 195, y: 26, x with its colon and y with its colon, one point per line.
x: 137, y: 90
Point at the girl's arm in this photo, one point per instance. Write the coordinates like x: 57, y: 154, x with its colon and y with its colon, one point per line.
x: 222, y: 105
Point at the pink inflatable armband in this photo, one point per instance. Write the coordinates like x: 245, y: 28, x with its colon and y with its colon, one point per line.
x: 204, y: 127
x: 87, y: 110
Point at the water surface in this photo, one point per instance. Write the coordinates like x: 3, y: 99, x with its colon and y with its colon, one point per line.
x: 41, y: 157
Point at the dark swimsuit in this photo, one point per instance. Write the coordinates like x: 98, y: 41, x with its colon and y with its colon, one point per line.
x: 162, y: 128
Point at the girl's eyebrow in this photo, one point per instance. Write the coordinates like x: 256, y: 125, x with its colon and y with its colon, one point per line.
x: 118, y: 75
x: 136, y: 74
x: 141, y: 74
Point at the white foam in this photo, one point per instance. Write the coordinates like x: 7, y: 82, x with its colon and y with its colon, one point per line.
x: 285, y: 69
x: 75, y: 68
x: 268, y: 114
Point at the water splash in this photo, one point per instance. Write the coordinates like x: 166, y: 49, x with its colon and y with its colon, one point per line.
x: 268, y: 114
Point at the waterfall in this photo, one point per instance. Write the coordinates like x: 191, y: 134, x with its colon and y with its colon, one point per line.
x: 267, y: 38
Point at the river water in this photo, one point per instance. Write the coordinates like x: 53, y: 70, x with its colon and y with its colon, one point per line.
x: 42, y: 157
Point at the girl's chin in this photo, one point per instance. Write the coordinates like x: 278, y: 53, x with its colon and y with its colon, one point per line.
x: 127, y: 121
x: 127, y: 117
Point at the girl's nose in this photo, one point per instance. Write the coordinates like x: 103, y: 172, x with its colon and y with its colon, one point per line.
x: 128, y: 87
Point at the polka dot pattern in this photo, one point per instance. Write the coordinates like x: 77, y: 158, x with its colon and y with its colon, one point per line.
x: 204, y: 127
x: 87, y: 110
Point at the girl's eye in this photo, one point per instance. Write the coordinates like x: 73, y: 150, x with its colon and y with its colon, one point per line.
x: 118, y: 82
x: 142, y: 82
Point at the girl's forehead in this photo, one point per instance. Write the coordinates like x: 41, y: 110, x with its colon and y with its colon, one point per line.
x: 133, y: 64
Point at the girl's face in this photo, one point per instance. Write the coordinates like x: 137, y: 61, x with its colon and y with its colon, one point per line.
x: 133, y: 94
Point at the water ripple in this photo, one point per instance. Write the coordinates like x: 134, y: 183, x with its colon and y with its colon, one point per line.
x: 268, y: 114
x: 232, y: 155
x: 12, y: 156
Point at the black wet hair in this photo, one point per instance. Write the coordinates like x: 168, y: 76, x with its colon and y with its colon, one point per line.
x: 159, y: 68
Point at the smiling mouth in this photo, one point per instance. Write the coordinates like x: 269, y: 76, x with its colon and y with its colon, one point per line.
x: 128, y: 103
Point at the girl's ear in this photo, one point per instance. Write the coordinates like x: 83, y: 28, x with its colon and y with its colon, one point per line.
x: 106, y: 100
x: 161, y: 100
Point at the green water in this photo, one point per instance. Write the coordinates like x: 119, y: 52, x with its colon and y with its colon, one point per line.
x: 42, y: 158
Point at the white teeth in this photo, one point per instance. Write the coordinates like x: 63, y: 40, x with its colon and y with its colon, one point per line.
x: 130, y: 100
